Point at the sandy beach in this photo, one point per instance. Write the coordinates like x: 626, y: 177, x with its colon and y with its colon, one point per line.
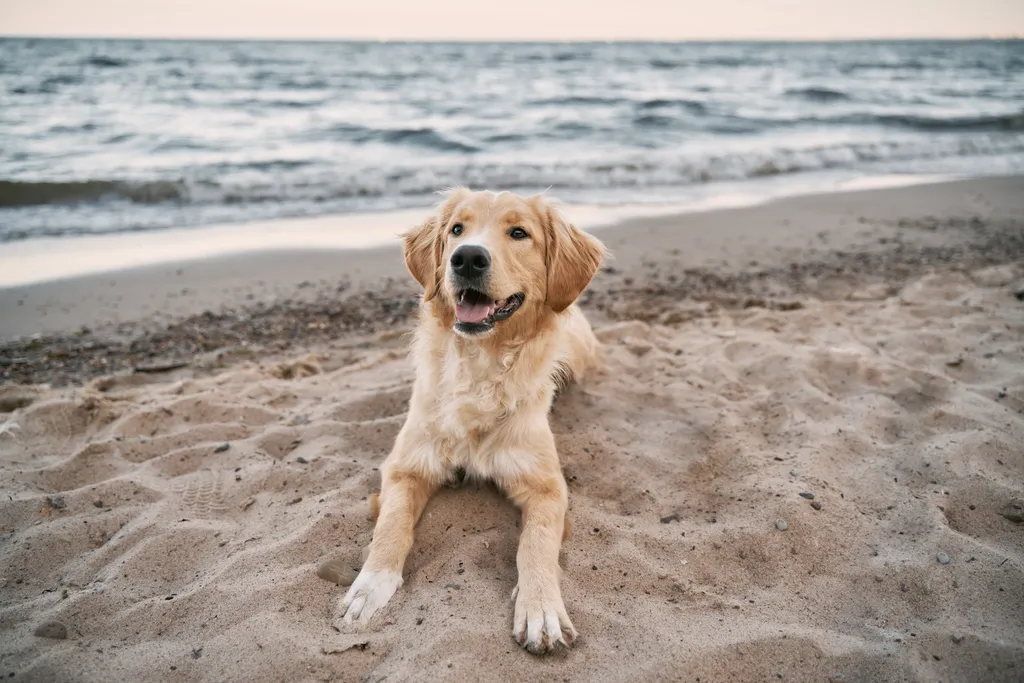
x: 803, y: 462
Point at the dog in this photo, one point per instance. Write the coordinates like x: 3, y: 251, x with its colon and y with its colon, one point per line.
x: 498, y: 333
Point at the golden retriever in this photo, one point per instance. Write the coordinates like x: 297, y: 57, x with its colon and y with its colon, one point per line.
x: 498, y: 332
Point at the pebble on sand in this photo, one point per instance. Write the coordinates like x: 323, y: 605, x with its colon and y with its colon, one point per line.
x: 781, y: 524
x: 337, y: 572
x: 221, y: 448
x: 943, y: 558
x: 816, y: 505
x: 807, y: 494
x: 52, y: 629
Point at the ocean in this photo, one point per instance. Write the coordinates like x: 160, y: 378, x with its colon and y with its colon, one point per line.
x: 108, y: 136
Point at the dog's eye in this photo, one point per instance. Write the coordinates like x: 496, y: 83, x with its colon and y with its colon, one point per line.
x: 457, y: 229
x: 518, y: 234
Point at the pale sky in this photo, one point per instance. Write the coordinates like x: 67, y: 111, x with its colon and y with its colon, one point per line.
x: 514, y: 19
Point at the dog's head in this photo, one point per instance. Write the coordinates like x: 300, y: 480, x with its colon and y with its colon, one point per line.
x: 487, y: 258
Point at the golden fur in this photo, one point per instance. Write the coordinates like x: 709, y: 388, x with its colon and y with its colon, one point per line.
x: 480, y: 403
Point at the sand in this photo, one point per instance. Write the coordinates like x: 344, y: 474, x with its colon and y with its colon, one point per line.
x: 172, y: 523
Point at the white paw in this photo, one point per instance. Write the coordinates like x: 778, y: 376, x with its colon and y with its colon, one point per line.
x: 368, y: 593
x: 540, y: 623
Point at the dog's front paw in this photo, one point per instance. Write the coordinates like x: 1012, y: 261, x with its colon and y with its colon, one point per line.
x: 368, y: 593
x: 540, y: 623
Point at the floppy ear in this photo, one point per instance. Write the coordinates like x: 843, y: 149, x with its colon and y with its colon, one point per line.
x: 422, y: 257
x: 424, y: 245
x: 573, y: 258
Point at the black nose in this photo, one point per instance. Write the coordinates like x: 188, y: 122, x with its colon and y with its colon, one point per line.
x: 470, y: 261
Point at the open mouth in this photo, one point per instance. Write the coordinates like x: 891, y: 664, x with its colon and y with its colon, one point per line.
x: 476, y: 312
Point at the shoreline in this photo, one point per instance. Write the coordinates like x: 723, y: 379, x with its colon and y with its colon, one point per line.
x: 824, y: 247
x: 40, y: 260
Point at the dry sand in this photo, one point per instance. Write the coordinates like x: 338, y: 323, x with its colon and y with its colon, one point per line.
x: 173, y: 523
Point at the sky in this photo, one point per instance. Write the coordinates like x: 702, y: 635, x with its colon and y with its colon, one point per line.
x: 514, y: 19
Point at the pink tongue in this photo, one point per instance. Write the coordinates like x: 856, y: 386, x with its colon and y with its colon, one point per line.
x: 472, y: 313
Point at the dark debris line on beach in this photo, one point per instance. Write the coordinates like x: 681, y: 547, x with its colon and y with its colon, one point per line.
x: 893, y: 264
x: 265, y: 327
x: 278, y: 326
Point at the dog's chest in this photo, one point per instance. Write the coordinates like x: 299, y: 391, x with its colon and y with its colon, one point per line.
x: 474, y: 395
x: 472, y: 404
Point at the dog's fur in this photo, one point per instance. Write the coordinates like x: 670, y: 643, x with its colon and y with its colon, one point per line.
x: 480, y: 402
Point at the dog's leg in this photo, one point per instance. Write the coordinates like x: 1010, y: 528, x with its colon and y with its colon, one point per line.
x: 403, y: 496
x: 540, y: 622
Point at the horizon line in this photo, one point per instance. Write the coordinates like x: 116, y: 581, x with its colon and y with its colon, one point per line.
x: 285, y: 39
